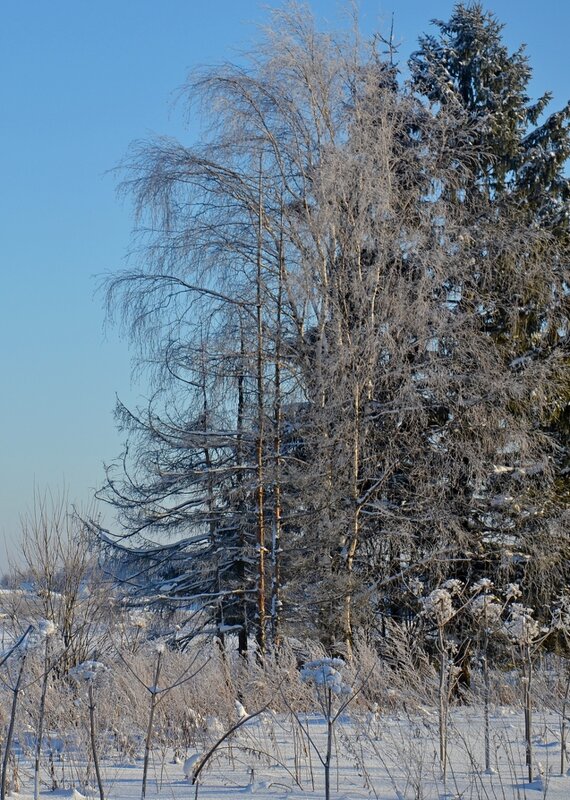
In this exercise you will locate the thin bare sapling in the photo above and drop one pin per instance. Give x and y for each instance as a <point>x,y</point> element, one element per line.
<point>487,610</point>
<point>90,674</point>
<point>527,637</point>
<point>157,693</point>
<point>439,608</point>
<point>20,652</point>
<point>47,630</point>
<point>333,696</point>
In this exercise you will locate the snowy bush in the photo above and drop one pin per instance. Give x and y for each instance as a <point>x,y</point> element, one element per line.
<point>325,673</point>
<point>520,626</point>
<point>439,605</point>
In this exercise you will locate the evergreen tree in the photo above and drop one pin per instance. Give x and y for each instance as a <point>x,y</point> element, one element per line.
<point>469,65</point>
<point>520,168</point>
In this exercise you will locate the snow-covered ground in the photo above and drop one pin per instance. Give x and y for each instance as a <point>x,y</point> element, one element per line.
<point>380,716</point>
<point>385,757</point>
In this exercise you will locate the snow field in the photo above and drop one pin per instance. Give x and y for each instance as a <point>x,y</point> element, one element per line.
<point>278,755</point>
<point>244,728</point>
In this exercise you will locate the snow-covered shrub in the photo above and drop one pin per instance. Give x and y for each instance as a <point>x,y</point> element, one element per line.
<point>89,672</point>
<point>325,673</point>
<point>333,694</point>
<point>487,610</point>
<point>520,625</point>
<point>439,605</point>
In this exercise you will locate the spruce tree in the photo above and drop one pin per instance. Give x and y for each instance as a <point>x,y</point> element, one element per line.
<point>469,65</point>
<point>520,169</point>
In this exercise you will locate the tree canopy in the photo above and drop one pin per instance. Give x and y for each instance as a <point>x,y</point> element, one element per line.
<point>352,297</point>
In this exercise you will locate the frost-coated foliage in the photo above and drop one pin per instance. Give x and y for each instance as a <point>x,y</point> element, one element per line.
<point>89,672</point>
<point>353,306</point>
<point>439,604</point>
<point>521,627</point>
<point>326,673</point>
<point>486,608</point>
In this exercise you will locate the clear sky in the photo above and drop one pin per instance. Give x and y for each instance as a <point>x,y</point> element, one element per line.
<point>78,81</point>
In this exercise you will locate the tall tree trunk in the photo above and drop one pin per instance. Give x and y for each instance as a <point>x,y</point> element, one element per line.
<point>354,537</point>
<point>210,504</point>
<point>261,537</point>
<point>277,510</point>
<point>243,632</point>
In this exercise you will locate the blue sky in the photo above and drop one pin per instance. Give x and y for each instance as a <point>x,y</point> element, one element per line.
<point>79,81</point>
